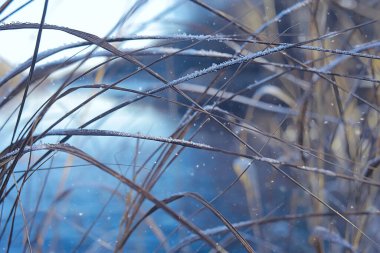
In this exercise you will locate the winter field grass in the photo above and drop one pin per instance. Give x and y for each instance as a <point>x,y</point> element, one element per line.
<point>212,126</point>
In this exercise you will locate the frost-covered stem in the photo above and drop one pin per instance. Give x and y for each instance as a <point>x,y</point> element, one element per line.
<point>217,67</point>
<point>98,132</point>
<point>280,15</point>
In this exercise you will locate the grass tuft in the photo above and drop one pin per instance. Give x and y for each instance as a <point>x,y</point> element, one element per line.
<point>213,126</point>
